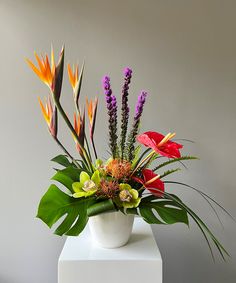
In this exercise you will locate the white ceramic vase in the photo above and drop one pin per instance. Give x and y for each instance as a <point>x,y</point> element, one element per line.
<point>111,230</point>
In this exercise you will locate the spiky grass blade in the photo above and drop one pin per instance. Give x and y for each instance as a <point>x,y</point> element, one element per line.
<point>168,172</point>
<point>173,161</point>
<point>203,194</point>
<point>203,227</point>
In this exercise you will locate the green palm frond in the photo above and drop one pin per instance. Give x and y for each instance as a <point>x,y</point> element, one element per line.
<point>173,161</point>
<point>168,172</point>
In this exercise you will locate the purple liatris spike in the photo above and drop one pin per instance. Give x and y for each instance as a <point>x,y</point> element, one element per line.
<point>140,104</point>
<point>134,131</point>
<point>125,109</point>
<point>112,113</point>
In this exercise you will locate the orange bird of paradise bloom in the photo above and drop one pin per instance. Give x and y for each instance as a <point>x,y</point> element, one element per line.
<point>79,129</point>
<point>92,111</point>
<point>49,115</point>
<point>73,75</point>
<point>45,70</point>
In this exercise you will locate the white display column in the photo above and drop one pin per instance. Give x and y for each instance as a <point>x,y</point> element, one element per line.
<point>82,261</point>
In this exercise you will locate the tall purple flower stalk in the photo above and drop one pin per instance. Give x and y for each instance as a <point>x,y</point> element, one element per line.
<point>125,109</point>
<point>112,113</point>
<point>135,127</point>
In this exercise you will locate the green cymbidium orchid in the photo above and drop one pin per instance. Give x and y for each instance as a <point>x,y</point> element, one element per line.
<point>128,197</point>
<point>86,186</point>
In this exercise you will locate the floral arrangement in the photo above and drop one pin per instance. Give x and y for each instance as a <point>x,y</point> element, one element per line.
<point>131,180</point>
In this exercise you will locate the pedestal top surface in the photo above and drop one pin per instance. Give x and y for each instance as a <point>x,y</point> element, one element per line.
<point>141,246</point>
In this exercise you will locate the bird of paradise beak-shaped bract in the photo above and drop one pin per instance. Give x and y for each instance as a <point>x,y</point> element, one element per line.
<point>75,79</point>
<point>73,75</point>
<point>50,116</point>
<point>79,126</point>
<point>92,112</point>
<point>58,77</point>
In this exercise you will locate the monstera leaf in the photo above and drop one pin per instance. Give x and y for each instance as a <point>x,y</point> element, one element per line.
<point>162,211</point>
<point>67,177</point>
<point>62,160</point>
<point>55,204</point>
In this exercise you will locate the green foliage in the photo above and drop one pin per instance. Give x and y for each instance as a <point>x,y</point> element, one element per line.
<point>152,158</point>
<point>62,160</point>
<point>78,87</point>
<point>169,211</point>
<point>168,172</point>
<point>208,235</point>
<point>73,213</point>
<point>67,177</point>
<point>133,210</point>
<point>205,196</point>
<point>136,155</point>
<point>55,204</point>
<point>135,163</point>
<point>173,161</point>
<point>101,207</point>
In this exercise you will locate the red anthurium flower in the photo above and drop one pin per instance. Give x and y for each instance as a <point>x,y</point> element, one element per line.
<point>151,182</point>
<point>161,144</point>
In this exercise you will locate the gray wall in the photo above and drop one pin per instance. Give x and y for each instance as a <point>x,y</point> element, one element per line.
<point>183,53</point>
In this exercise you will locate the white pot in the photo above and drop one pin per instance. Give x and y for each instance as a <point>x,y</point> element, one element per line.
<point>111,230</point>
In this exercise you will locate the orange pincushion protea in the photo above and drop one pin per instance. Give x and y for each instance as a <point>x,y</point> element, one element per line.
<point>108,189</point>
<point>119,169</point>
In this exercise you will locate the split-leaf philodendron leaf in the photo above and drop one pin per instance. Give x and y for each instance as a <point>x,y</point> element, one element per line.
<point>55,204</point>
<point>161,211</point>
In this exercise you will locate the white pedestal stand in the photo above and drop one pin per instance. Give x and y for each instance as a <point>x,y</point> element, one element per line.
<point>81,261</point>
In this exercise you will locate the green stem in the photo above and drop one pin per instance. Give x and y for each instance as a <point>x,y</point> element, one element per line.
<point>94,149</point>
<point>67,153</point>
<point>148,157</point>
<point>84,156</point>
<point>87,146</point>
<point>85,137</point>
<point>140,189</point>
